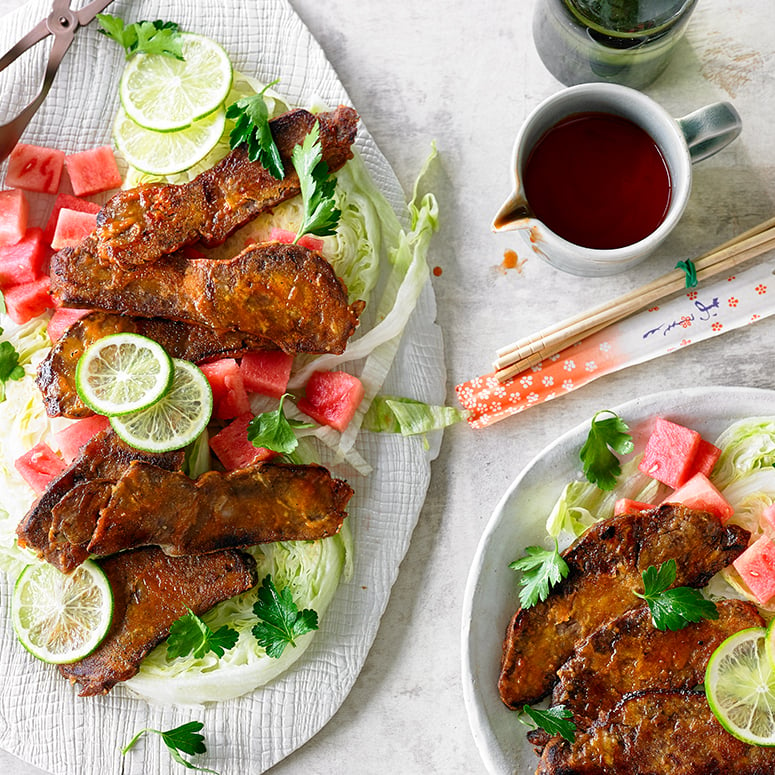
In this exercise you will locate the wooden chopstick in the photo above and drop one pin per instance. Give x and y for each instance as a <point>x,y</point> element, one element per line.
<point>531,350</point>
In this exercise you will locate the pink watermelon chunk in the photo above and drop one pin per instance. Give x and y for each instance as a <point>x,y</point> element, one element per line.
<point>39,466</point>
<point>25,261</point>
<point>68,202</point>
<point>266,372</point>
<point>629,506</point>
<point>14,212</point>
<point>35,168</point>
<point>232,447</point>
<point>756,566</point>
<point>70,439</point>
<point>62,319</point>
<point>706,458</point>
<point>701,494</point>
<point>670,452</point>
<point>93,171</point>
<point>307,240</point>
<point>72,226</point>
<point>768,519</point>
<point>29,300</point>
<point>230,399</point>
<point>332,398</point>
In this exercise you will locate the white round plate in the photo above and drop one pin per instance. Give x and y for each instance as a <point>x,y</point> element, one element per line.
<point>519,520</point>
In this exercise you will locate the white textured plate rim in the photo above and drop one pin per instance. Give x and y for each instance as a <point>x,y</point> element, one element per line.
<point>480,692</point>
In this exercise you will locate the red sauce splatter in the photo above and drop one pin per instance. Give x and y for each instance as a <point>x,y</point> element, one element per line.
<point>511,261</point>
<point>437,270</point>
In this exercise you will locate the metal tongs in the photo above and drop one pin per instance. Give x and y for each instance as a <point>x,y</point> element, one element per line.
<point>62,23</point>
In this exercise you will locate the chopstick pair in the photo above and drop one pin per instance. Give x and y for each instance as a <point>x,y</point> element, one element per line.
<point>525,353</point>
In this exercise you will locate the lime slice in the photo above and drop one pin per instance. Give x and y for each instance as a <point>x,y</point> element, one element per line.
<point>122,373</point>
<point>163,93</point>
<point>740,686</point>
<point>166,153</point>
<point>61,618</point>
<point>176,419</point>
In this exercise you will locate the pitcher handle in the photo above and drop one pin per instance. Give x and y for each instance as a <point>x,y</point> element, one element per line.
<point>710,129</point>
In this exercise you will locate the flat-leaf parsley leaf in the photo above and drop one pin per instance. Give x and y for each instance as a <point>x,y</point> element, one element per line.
<point>157,37</point>
<point>673,609</point>
<point>9,365</point>
<point>273,430</point>
<point>252,128</point>
<point>541,570</point>
<point>186,739</point>
<point>557,720</point>
<point>601,466</point>
<point>190,635</point>
<point>280,621</point>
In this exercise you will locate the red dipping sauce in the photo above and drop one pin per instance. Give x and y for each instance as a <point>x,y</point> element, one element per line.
<point>598,180</point>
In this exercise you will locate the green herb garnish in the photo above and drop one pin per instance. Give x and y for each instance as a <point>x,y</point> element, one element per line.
<point>321,215</point>
<point>252,128</point>
<point>280,621</point>
<point>691,272</point>
<point>157,37</point>
<point>541,570</point>
<point>183,739</point>
<point>273,430</point>
<point>601,466</point>
<point>190,635</point>
<point>673,609</point>
<point>9,365</point>
<point>556,720</point>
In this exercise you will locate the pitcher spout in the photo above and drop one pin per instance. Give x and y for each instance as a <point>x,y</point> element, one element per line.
<point>513,214</point>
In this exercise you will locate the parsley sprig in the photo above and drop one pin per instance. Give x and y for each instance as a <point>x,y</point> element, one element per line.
<point>673,608</point>
<point>273,430</point>
<point>606,436</point>
<point>252,128</point>
<point>280,620</point>
<point>321,215</point>
<point>557,720</point>
<point>541,569</point>
<point>183,739</point>
<point>157,37</point>
<point>10,369</point>
<point>190,635</point>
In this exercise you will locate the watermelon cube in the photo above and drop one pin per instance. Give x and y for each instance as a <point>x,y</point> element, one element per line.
<point>705,459</point>
<point>670,452</point>
<point>230,399</point>
<point>70,439</point>
<point>62,319</point>
<point>756,566</point>
<point>93,171</point>
<point>69,202</point>
<point>332,398</point>
<point>72,227</point>
<point>14,212</point>
<point>266,372</point>
<point>701,494</point>
<point>29,300</point>
<point>232,447</point>
<point>306,241</point>
<point>629,506</point>
<point>25,261</point>
<point>35,168</point>
<point>39,466</point>
<point>767,519</point>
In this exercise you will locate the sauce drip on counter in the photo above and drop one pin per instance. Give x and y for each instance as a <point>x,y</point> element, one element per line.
<point>598,180</point>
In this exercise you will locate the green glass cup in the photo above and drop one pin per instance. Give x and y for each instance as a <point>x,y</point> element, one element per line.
<point>629,42</point>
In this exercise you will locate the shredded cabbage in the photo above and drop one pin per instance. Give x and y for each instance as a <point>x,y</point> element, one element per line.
<point>393,414</point>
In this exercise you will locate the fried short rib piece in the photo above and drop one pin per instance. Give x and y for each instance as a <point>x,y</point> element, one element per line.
<point>137,226</point>
<point>56,372</point>
<point>652,732</point>
<point>605,566</point>
<point>267,502</point>
<point>630,654</point>
<point>103,458</point>
<point>150,592</point>
<point>286,294</point>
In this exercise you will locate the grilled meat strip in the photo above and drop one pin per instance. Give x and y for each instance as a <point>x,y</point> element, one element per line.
<point>630,654</point>
<point>140,225</point>
<point>56,373</point>
<point>151,591</point>
<point>605,566</point>
<point>653,732</point>
<point>149,505</point>
<point>105,457</point>
<point>286,294</point>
